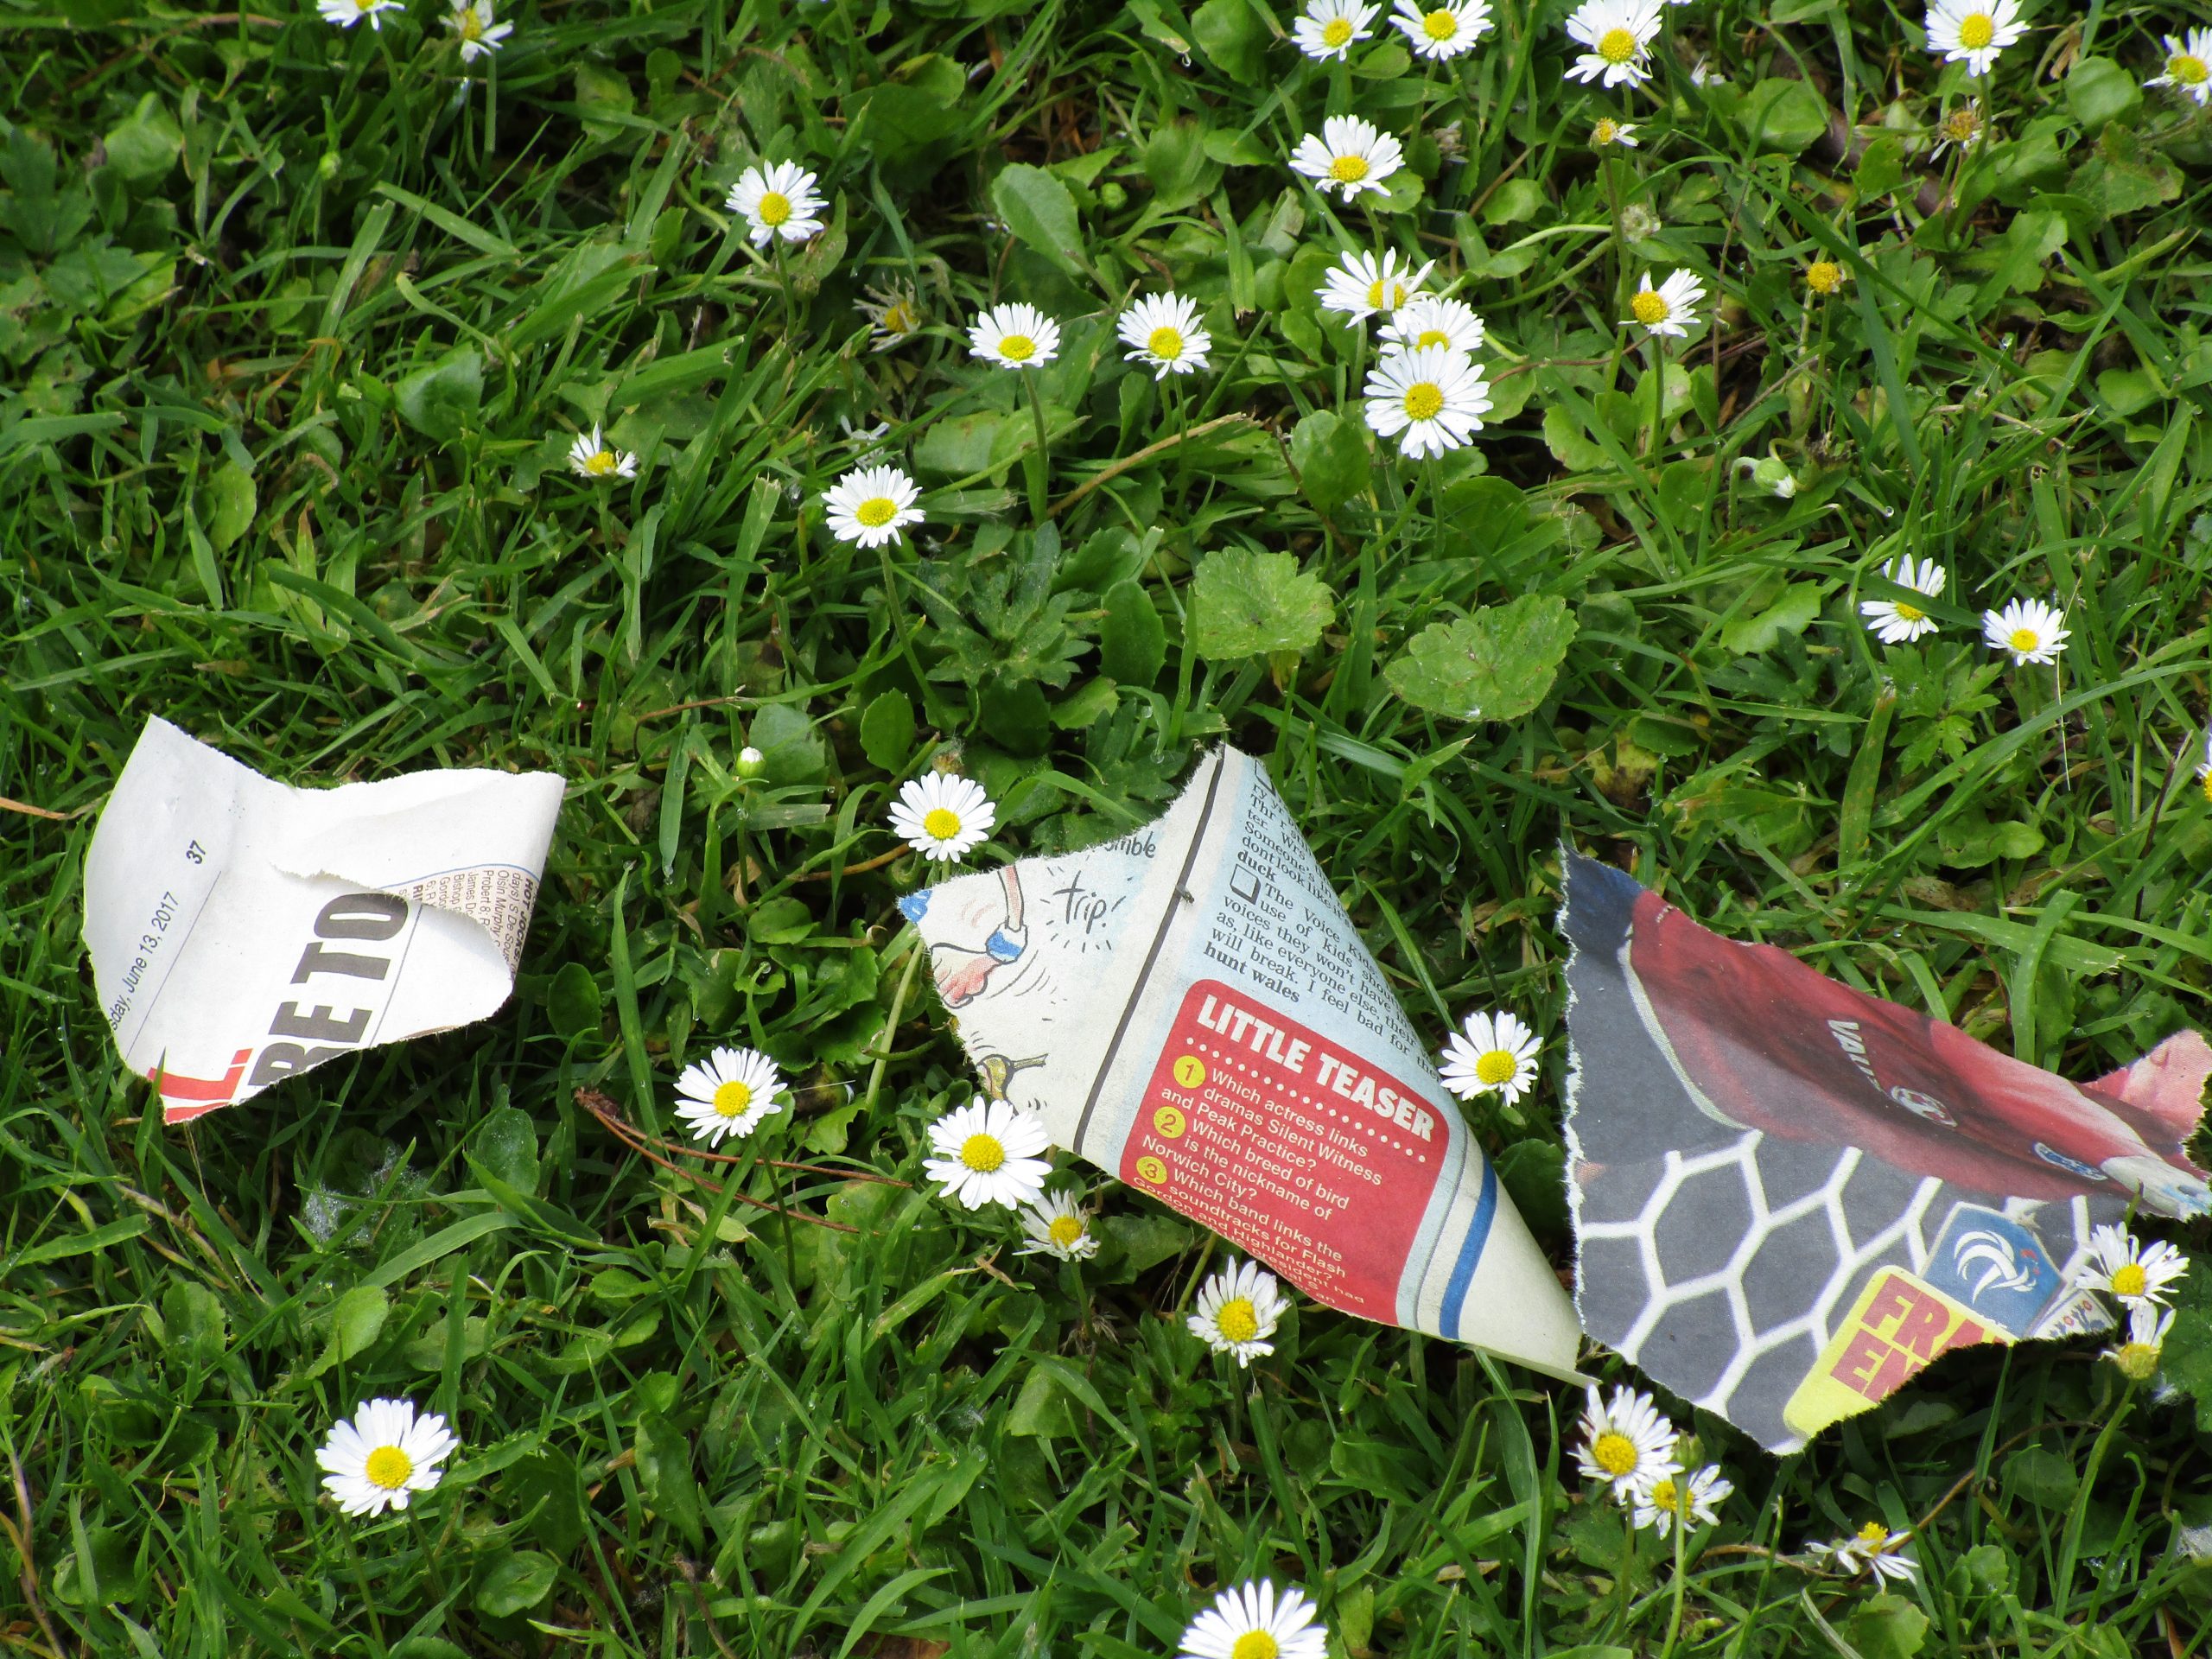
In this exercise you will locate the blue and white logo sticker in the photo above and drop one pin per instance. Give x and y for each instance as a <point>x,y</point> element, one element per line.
<point>1996,1266</point>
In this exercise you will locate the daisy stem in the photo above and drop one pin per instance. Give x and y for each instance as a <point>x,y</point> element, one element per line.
<point>1620,266</point>
<point>1658,377</point>
<point>1675,1618</point>
<point>1036,464</point>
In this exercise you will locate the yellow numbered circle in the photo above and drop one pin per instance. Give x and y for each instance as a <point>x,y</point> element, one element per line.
<point>1152,1170</point>
<point>1170,1122</point>
<point>1190,1070</point>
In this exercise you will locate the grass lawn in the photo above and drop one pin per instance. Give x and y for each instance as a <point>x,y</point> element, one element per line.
<point>297,326</point>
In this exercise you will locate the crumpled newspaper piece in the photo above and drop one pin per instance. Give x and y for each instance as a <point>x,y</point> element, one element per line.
<point>1789,1196</point>
<point>243,931</point>
<point>1190,1008</point>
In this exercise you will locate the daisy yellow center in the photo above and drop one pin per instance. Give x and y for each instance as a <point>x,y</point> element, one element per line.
<point>2024,640</point>
<point>388,1467</point>
<point>1254,1644</point>
<point>1439,25</point>
<point>1961,124</point>
<point>941,823</point>
<point>1431,337</point>
<point>2130,1281</point>
<point>1017,349</point>
<point>1348,169</point>
<point>983,1153</point>
<point>1617,45</point>
<point>876,511</point>
<point>2188,68</point>
<point>1910,612</point>
<point>470,25</point>
<point>1064,1231</point>
<point>2137,1360</point>
<point>1874,1533</point>
<point>775,207</point>
<point>1165,342</point>
<point>1424,400</point>
<point>1649,308</point>
<point>899,319</point>
<point>1336,32</point>
<point>1664,1497</point>
<point>1606,128</point>
<point>732,1098</point>
<point>600,462</point>
<point>1614,1452</point>
<point>2208,785</point>
<point>1977,30</point>
<point>1375,294</point>
<point>1496,1067</point>
<point>1238,1321</point>
<point>1823,276</point>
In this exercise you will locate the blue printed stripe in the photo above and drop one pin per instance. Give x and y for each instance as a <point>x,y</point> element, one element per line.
<point>1463,1270</point>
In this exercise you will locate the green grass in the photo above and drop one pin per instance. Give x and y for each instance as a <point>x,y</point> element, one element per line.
<point>293,342</point>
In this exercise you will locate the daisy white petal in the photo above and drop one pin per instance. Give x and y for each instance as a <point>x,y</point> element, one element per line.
<point>1349,156</point>
<point>1973,31</point>
<point>777,201</point>
<point>1238,1310</point>
<point>347,13</point>
<point>1015,337</point>
<point>591,456</point>
<point>479,35</point>
<point>2030,631</point>
<point>1360,284</point>
<point>1961,128</point>
<point>2188,66</point>
<point>893,314</point>
<point>1252,1621</point>
<point>1491,1052</point>
<point>1895,622</point>
<point>729,1094</point>
<point>871,505</point>
<point>1330,29</point>
<point>2204,771</point>
<point>2138,1274</point>
<point>383,1456</point>
<point>943,816</point>
<point>1669,308</point>
<point>1606,131</point>
<point>1619,36</point>
<point>1673,1498</point>
<point>1163,331</point>
<point>2138,1357</point>
<point>1627,1442</point>
<point>1057,1227</point>
<point>989,1152</point>
<point>1431,399</point>
<point>1441,28</point>
<point>1428,320</point>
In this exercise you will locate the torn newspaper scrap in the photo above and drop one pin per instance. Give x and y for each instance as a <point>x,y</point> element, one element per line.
<point>1190,1008</point>
<point>1790,1195</point>
<point>242,932</point>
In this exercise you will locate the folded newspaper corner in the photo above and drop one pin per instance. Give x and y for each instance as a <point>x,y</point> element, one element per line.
<point>1190,1008</point>
<point>243,931</point>
<point>1790,1195</point>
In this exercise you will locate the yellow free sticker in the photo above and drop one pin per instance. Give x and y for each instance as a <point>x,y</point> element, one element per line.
<point>1190,1072</point>
<point>1170,1122</point>
<point>1152,1170</point>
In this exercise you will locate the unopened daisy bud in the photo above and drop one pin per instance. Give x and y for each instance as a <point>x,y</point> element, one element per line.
<point>751,763</point>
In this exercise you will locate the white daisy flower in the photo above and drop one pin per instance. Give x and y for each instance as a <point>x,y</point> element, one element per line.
<point>2188,65</point>
<point>1491,1050</point>
<point>2204,771</point>
<point>1348,155</point>
<point>1330,29</point>
<point>589,457</point>
<point>895,313</point>
<point>1444,29</point>
<point>872,505</point>
<point>1238,1310</point>
<point>1670,1499</point>
<point>1164,330</point>
<point>1250,1621</point>
<point>1973,31</point>
<point>479,35</point>
<point>778,199</point>
<point>385,1455</point>
<point>1606,131</point>
<point>1618,33</point>
<point>1703,75</point>
<point>347,13</point>
<point>2140,1275</point>
<point>1628,1443</point>
<point>944,816</point>
<point>2030,630</point>
<point>1669,308</point>
<point>1015,337</point>
<point>1960,129</point>
<point>1895,622</point>
<point>989,1152</point>
<point>1431,399</point>
<point>728,1093</point>
<point>1428,320</point>
<point>1359,284</point>
<point>1873,1549</point>
<point>2138,1357</point>
<point>1057,1227</point>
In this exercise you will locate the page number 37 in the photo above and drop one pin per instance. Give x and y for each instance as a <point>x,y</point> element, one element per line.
<point>195,852</point>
